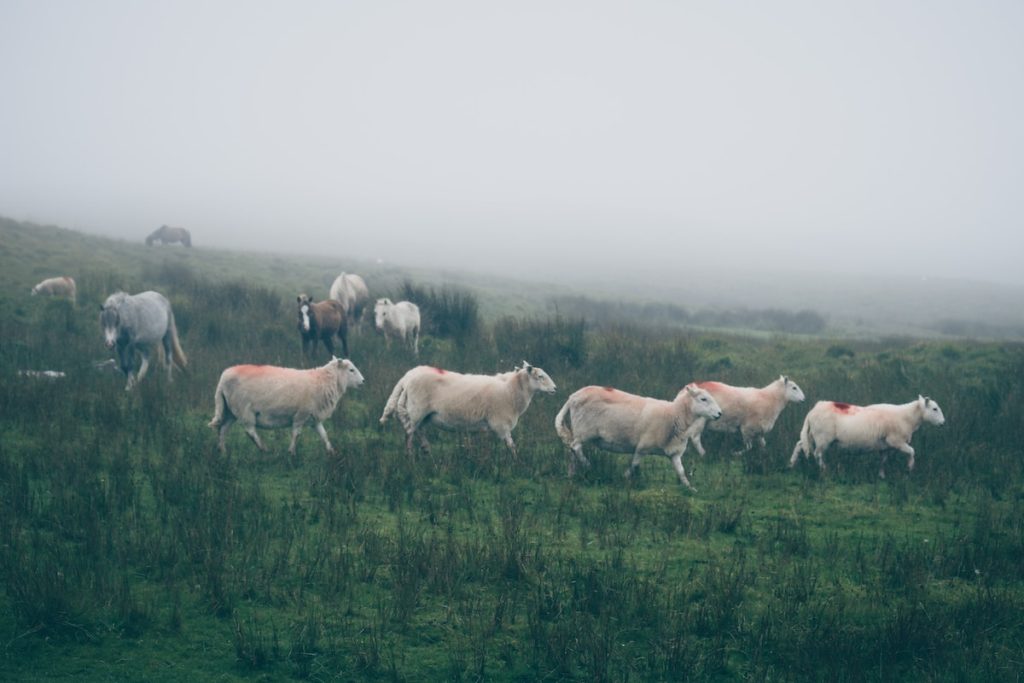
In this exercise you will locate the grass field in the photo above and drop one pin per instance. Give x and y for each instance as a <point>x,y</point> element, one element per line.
<point>131,549</point>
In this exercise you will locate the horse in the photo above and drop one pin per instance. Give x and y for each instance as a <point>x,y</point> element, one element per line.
<point>399,320</point>
<point>139,322</point>
<point>321,321</point>
<point>349,290</point>
<point>168,235</point>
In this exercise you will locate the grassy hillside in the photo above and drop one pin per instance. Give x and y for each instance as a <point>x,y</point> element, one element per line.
<point>131,549</point>
<point>101,265</point>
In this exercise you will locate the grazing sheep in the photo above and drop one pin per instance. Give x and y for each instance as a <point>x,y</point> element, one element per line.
<point>58,286</point>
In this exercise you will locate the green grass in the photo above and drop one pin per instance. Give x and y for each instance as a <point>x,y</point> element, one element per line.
<point>130,549</point>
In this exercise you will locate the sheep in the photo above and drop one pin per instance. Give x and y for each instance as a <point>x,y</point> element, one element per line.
<point>875,427</point>
<point>454,401</point>
<point>626,423</point>
<point>271,397</point>
<point>58,286</point>
<point>750,410</point>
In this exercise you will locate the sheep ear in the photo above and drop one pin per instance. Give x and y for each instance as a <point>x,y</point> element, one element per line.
<point>692,390</point>
<point>526,366</point>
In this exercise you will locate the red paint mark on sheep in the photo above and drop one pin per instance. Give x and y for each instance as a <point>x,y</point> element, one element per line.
<point>843,407</point>
<point>709,385</point>
<point>249,370</point>
<point>438,371</point>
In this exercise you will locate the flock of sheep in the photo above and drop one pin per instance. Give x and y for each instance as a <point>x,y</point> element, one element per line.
<point>270,397</point>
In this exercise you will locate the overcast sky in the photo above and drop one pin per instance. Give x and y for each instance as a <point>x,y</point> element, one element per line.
<point>557,136</point>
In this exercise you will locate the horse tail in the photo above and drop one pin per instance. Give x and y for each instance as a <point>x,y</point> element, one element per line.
<point>392,403</point>
<point>176,353</point>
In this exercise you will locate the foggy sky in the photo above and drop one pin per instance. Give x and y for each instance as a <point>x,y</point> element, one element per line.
<point>530,137</point>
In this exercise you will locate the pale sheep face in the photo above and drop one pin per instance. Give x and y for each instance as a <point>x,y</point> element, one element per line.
<point>539,381</point>
<point>704,404</point>
<point>932,412</point>
<point>349,373</point>
<point>793,392</point>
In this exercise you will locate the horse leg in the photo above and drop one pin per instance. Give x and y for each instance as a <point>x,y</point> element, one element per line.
<point>343,336</point>
<point>126,358</point>
<point>168,358</point>
<point>145,365</point>
<point>329,344</point>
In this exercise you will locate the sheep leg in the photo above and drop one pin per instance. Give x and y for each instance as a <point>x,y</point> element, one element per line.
<point>634,465</point>
<point>748,441</point>
<point>796,453</point>
<point>695,440</point>
<point>296,428</point>
<point>881,467</point>
<point>903,447</point>
<point>250,429</point>
<point>323,435</point>
<point>222,434</point>
<point>507,438</point>
<point>677,462</point>
<point>819,450</point>
<point>576,454</point>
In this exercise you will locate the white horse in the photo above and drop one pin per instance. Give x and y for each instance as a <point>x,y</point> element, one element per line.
<point>399,320</point>
<point>349,290</point>
<point>139,322</point>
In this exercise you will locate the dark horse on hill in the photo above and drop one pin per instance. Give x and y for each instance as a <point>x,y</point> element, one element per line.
<point>168,235</point>
<point>322,321</point>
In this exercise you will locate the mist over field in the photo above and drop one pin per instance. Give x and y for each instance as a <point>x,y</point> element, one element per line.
<point>585,142</point>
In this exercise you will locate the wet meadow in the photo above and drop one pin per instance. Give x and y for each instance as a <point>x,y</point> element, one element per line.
<point>132,549</point>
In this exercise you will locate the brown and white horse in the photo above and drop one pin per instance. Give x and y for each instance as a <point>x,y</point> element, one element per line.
<point>168,235</point>
<point>322,321</point>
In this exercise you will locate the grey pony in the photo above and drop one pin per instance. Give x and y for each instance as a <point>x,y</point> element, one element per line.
<point>137,323</point>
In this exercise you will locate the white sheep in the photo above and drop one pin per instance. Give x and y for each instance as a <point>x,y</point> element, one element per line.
<point>270,397</point>
<point>621,422</point>
<point>454,401</point>
<point>875,427</point>
<point>750,410</point>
